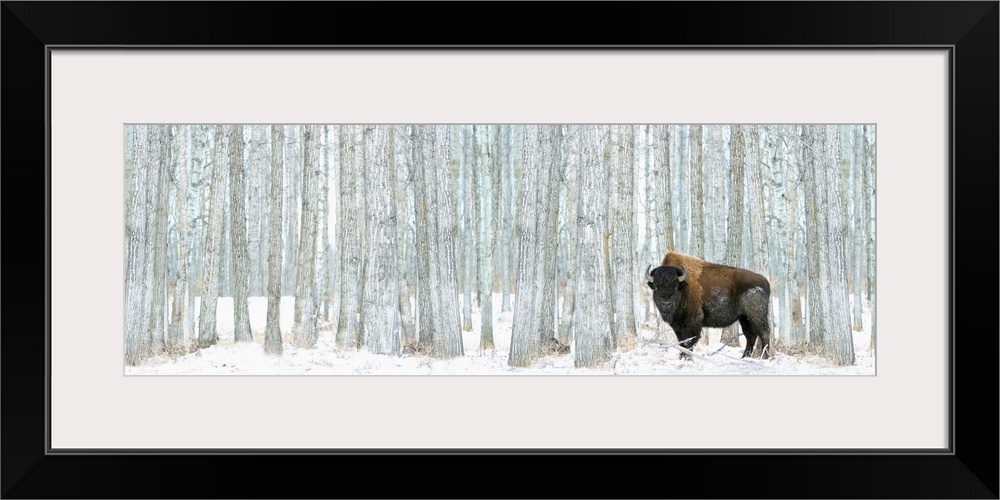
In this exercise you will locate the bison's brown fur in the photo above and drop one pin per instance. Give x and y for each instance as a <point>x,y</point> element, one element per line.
<point>711,295</point>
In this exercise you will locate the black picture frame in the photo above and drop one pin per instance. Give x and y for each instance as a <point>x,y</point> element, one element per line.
<point>968,470</point>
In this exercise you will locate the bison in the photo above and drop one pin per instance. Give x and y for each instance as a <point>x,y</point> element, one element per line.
<point>691,294</point>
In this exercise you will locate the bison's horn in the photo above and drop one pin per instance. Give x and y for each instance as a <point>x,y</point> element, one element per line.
<point>649,277</point>
<point>684,273</point>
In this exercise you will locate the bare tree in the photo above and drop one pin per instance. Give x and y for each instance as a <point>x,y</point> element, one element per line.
<point>425,199</point>
<point>591,318</point>
<point>405,229</point>
<point>623,270</point>
<point>380,325</point>
<point>305,331</point>
<point>838,342</point>
<point>179,309</point>
<point>697,194</point>
<point>483,181</point>
<point>857,195</point>
<point>506,220</point>
<point>448,335</point>
<point>567,232</point>
<point>257,245</point>
<point>550,151</point>
<point>682,215</point>
<point>663,188</point>
<point>526,346</point>
<point>440,328</point>
<point>272,330</point>
<point>238,228</point>
<point>734,245</point>
<point>160,207</point>
<point>795,252</point>
<point>352,216</point>
<point>293,187</point>
<point>814,197</point>
<point>137,338</point>
<point>828,315</point>
<point>323,249</point>
<point>207,334</point>
<point>196,213</point>
<point>466,165</point>
<point>868,183</point>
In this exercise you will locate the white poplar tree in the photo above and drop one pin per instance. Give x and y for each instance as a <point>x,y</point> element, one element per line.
<point>380,323</point>
<point>591,318</point>
<point>272,329</point>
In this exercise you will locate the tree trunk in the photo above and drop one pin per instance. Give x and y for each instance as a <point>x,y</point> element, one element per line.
<point>506,218</point>
<point>400,161</point>
<point>238,229</point>
<point>352,216</point>
<point>526,346</point>
<point>868,183</point>
<point>256,217</point>
<point>483,181</point>
<point>495,223</point>
<point>550,150</point>
<point>624,274</point>
<point>592,318</point>
<point>198,143</point>
<point>333,270</point>
<point>794,250</point>
<point>137,338</point>
<point>814,231</point>
<point>838,341</point>
<point>859,241</point>
<point>734,244</point>
<point>272,331</point>
<point>160,207</point>
<point>516,174</point>
<point>179,310</point>
<point>306,329</point>
<point>697,194</point>
<point>570,155</point>
<point>681,184</point>
<point>425,201</point>
<point>380,325</point>
<point>439,317</point>
<point>226,243</point>
<point>468,142</point>
<point>323,226</point>
<point>293,182</point>
<point>664,188</point>
<point>447,342</point>
<point>207,334</point>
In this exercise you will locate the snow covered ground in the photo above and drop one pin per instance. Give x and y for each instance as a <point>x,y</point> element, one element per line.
<point>649,358</point>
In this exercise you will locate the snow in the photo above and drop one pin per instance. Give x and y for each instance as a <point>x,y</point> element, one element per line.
<point>650,357</point>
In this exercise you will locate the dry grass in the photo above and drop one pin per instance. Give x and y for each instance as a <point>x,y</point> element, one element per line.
<point>797,348</point>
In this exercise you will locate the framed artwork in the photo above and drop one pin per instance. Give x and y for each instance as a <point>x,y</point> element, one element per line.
<point>819,163</point>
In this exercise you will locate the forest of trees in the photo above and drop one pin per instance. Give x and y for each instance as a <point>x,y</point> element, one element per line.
<point>392,235</point>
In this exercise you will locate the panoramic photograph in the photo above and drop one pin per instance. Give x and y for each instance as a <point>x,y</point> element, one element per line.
<point>499,249</point>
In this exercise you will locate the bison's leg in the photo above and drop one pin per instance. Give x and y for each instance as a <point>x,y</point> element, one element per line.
<point>758,337</point>
<point>764,333</point>
<point>749,333</point>
<point>688,338</point>
<point>755,323</point>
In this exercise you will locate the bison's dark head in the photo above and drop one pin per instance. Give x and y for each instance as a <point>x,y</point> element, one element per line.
<point>668,284</point>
